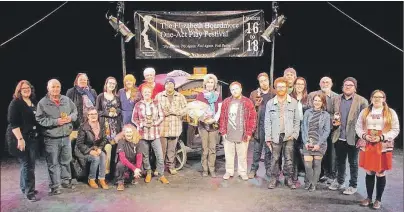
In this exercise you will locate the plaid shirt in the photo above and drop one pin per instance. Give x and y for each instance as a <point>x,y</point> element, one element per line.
<point>250,116</point>
<point>173,111</point>
<point>139,119</point>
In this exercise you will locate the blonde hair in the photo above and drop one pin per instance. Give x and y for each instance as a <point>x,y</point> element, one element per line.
<point>133,90</point>
<point>387,116</point>
<point>207,77</point>
<point>135,135</point>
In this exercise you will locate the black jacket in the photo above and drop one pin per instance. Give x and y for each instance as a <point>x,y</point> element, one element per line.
<point>76,97</point>
<point>86,140</point>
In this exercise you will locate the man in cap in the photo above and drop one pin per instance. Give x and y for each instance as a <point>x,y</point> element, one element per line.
<point>347,106</point>
<point>174,107</point>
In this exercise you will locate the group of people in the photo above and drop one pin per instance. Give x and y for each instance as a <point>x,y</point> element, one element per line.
<point>115,131</point>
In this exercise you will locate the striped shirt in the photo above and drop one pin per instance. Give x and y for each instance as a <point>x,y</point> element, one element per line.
<point>313,126</point>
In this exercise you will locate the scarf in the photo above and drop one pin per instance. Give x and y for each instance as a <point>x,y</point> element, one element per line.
<point>86,91</point>
<point>211,97</point>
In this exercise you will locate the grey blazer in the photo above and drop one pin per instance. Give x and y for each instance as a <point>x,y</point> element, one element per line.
<point>358,104</point>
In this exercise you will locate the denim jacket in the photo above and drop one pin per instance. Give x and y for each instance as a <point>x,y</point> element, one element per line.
<point>272,119</point>
<point>323,129</point>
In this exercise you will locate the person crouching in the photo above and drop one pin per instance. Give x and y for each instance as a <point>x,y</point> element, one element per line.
<point>130,153</point>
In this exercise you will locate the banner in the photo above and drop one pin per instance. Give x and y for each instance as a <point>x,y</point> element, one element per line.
<point>198,34</point>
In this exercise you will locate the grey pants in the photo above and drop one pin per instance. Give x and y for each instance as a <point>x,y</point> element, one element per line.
<point>168,145</point>
<point>156,145</point>
<point>209,141</point>
<point>286,148</point>
<point>58,156</point>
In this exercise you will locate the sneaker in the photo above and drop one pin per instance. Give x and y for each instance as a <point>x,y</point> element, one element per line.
<point>252,174</point>
<point>289,182</point>
<point>307,185</point>
<point>312,188</point>
<point>35,192</point>
<point>244,177</point>
<point>350,190</point>
<point>213,174</point>
<point>336,186</point>
<point>366,202</point>
<point>227,176</point>
<point>205,174</point>
<point>173,171</point>
<point>54,191</point>
<point>120,187</point>
<point>272,183</point>
<point>377,204</point>
<point>329,181</point>
<point>32,198</point>
<point>68,185</point>
<point>156,173</point>
<point>323,179</point>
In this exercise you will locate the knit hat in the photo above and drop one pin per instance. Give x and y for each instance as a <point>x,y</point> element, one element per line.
<point>352,80</point>
<point>169,79</point>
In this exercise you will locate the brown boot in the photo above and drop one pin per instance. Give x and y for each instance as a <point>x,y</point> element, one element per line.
<point>120,187</point>
<point>92,184</point>
<point>103,184</point>
<point>148,177</point>
<point>164,180</point>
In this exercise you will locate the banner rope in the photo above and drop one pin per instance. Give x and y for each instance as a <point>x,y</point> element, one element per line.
<point>365,27</point>
<point>33,24</point>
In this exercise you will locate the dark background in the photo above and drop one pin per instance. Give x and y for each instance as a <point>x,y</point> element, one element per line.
<point>316,40</point>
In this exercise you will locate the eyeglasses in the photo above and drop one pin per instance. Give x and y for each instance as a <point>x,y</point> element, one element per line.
<point>281,87</point>
<point>26,88</point>
<point>378,97</point>
<point>351,85</point>
<point>93,114</point>
<point>300,84</point>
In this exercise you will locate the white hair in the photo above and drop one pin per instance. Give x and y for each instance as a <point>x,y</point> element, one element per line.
<point>51,81</point>
<point>149,71</point>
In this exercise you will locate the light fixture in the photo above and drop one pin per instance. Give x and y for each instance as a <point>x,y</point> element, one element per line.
<point>124,30</point>
<point>273,28</point>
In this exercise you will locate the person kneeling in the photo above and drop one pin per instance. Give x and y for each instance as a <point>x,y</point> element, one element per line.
<point>130,153</point>
<point>91,140</point>
<point>315,131</point>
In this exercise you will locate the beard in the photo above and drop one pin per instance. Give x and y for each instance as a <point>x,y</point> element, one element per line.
<point>326,90</point>
<point>281,93</point>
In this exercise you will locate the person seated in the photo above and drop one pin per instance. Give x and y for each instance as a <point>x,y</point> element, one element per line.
<point>90,144</point>
<point>130,154</point>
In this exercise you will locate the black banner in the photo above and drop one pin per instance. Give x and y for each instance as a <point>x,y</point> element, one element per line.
<point>199,34</point>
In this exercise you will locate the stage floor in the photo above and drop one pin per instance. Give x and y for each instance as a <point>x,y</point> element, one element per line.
<point>188,191</point>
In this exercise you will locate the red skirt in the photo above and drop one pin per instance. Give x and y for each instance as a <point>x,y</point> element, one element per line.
<point>373,159</point>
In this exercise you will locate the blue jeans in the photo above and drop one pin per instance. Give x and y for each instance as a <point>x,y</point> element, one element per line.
<point>95,163</point>
<point>27,161</point>
<point>58,156</point>
<point>158,151</point>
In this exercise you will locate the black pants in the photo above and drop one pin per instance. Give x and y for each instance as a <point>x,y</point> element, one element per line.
<point>27,161</point>
<point>120,172</point>
<point>329,164</point>
<point>342,150</point>
<point>259,145</point>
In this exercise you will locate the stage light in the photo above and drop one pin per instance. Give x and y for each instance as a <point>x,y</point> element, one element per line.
<point>273,28</point>
<point>124,30</point>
